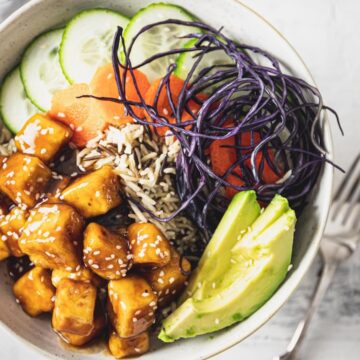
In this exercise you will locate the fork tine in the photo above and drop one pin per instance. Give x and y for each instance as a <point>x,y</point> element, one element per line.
<point>339,194</point>
<point>353,190</point>
<point>353,210</point>
<point>347,191</point>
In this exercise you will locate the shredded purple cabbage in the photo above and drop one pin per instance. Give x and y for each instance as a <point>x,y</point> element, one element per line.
<point>285,110</point>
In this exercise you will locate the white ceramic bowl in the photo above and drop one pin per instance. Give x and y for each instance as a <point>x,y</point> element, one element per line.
<point>242,23</point>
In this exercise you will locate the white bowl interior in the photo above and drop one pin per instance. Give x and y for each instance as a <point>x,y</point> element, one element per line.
<point>241,23</point>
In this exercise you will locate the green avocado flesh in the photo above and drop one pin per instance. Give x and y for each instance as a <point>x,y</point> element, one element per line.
<point>241,213</point>
<point>253,264</point>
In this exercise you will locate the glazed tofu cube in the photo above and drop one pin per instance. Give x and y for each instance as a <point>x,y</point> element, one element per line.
<point>74,307</point>
<point>11,228</point>
<point>35,292</point>
<point>42,137</point>
<point>4,250</point>
<point>131,306</point>
<point>105,252</point>
<point>84,275</point>
<point>80,340</point>
<point>3,160</point>
<point>95,193</point>
<point>52,237</point>
<point>169,281</point>
<point>148,245</point>
<point>23,179</point>
<point>134,346</point>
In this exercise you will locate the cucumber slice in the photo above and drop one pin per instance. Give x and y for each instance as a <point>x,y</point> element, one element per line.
<point>158,39</point>
<point>87,43</point>
<point>15,107</point>
<point>186,60</point>
<point>41,71</point>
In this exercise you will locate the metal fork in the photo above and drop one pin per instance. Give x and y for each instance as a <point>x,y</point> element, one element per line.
<point>339,243</point>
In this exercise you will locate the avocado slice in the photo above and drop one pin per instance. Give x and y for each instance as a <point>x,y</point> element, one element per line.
<point>256,270</point>
<point>278,206</point>
<point>241,213</point>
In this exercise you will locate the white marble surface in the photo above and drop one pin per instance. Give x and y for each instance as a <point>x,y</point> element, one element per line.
<point>325,32</point>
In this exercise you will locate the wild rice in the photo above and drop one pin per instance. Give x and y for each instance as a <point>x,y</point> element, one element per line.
<point>7,144</point>
<point>146,167</point>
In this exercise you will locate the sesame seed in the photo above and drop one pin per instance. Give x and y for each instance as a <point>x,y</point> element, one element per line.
<point>123,305</point>
<point>217,321</point>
